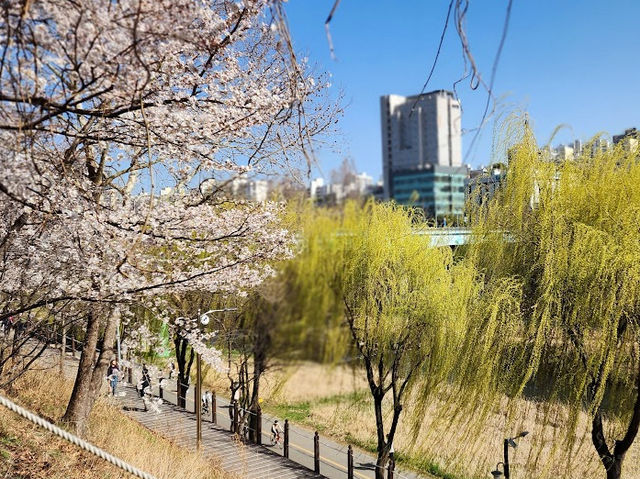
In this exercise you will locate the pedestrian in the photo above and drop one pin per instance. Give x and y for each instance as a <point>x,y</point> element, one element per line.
<point>172,369</point>
<point>113,375</point>
<point>205,402</point>
<point>145,381</point>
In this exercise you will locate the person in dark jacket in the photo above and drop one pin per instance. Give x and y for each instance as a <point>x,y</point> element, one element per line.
<point>145,382</point>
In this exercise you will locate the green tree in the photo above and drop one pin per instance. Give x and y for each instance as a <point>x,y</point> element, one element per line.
<point>565,236</point>
<point>380,289</point>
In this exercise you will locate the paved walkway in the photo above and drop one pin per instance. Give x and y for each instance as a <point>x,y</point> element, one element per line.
<point>333,455</point>
<point>242,460</point>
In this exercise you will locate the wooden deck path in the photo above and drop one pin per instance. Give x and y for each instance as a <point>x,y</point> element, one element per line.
<point>246,461</point>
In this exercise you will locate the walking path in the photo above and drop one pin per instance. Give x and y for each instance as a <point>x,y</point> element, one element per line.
<point>333,455</point>
<point>242,460</point>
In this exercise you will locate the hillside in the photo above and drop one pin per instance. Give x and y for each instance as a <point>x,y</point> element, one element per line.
<point>28,451</point>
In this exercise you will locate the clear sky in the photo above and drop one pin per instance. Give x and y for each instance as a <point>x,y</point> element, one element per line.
<point>564,62</point>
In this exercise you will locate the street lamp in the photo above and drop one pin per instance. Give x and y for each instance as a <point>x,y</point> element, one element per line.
<point>509,442</point>
<point>204,320</point>
<point>497,472</point>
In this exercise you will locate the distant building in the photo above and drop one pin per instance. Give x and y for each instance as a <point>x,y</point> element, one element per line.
<point>419,131</point>
<point>360,185</point>
<point>317,188</point>
<point>439,190</point>
<point>240,188</point>
<point>629,139</point>
<point>376,190</point>
<point>356,185</point>
<point>599,145</point>
<point>482,184</point>
<point>564,152</point>
<point>422,152</point>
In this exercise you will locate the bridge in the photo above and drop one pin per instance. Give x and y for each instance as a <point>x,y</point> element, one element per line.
<point>446,236</point>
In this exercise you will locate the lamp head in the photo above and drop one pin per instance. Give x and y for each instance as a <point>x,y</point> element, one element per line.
<point>523,433</point>
<point>497,472</point>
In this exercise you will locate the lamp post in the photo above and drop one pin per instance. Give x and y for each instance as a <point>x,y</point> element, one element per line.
<point>204,320</point>
<point>509,442</point>
<point>497,472</point>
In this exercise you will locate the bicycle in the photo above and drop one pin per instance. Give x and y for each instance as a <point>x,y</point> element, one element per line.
<point>275,434</point>
<point>275,439</point>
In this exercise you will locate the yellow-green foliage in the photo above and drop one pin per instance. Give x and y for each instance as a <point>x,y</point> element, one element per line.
<point>564,236</point>
<point>409,303</point>
<point>396,286</point>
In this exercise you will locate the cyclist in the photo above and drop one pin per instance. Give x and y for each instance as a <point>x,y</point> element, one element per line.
<point>275,433</point>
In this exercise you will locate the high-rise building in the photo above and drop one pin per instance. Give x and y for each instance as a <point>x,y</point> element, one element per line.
<point>419,132</point>
<point>629,139</point>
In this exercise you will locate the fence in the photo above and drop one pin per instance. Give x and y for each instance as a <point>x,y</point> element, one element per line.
<point>305,450</point>
<point>297,444</point>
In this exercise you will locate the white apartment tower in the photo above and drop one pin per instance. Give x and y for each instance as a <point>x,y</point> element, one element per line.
<point>427,136</point>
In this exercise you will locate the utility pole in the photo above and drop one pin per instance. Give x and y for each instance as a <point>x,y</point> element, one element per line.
<point>198,401</point>
<point>118,341</point>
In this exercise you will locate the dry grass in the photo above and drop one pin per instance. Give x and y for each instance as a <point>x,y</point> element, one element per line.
<point>296,383</point>
<point>444,442</point>
<point>27,451</point>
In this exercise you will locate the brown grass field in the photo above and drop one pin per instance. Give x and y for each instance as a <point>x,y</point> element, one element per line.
<point>335,400</point>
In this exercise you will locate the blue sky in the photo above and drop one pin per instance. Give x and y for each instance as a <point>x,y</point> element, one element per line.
<point>572,63</point>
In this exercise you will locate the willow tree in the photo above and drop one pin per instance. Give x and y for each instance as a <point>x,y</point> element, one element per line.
<point>567,233</point>
<point>399,303</point>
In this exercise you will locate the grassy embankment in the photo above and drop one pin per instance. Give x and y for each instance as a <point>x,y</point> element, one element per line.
<point>28,451</point>
<point>336,402</point>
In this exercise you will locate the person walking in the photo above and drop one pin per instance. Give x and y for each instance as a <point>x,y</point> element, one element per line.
<point>145,381</point>
<point>113,375</point>
<point>144,386</point>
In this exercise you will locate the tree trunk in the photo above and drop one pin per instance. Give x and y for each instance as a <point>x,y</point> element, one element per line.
<point>104,357</point>
<point>184,368</point>
<point>612,461</point>
<point>91,371</point>
<point>258,369</point>
<point>261,346</point>
<point>79,404</point>
<point>383,447</point>
<point>615,468</point>
<point>182,388</point>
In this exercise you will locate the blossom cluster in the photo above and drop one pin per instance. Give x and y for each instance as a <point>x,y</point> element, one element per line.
<point>104,103</point>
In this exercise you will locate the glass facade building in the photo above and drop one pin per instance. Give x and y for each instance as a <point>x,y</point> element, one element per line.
<point>439,190</point>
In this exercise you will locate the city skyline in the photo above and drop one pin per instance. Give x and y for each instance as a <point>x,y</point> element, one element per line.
<point>386,50</point>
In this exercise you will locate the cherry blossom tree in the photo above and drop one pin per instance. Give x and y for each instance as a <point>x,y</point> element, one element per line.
<point>104,104</point>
